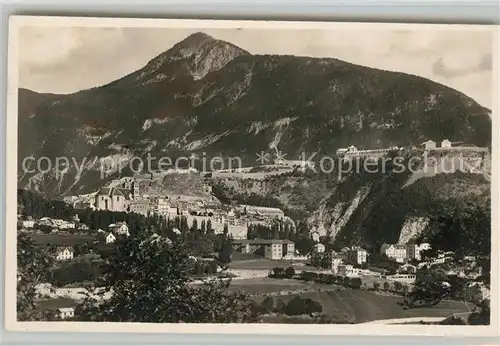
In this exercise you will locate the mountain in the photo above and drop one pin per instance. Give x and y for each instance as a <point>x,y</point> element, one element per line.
<point>209,96</point>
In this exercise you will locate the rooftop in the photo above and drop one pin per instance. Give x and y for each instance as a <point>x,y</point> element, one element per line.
<point>262,241</point>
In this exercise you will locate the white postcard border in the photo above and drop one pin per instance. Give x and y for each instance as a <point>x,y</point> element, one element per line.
<point>267,329</point>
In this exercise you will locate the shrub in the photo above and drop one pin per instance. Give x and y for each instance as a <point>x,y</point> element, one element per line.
<point>280,306</point>
<point>376,285</point>
<point>299,306</point>
<point>386,286</point>
<point>267,304</point>
<point>308,276</point>
<point>289,273</point>
<point>356,283</point>
<point>346,281</point>
<point>398,286</point>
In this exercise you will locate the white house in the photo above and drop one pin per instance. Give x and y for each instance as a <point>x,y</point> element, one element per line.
<point>429,145</point>
<point>119,228</point>
<point>28,223</point>
<point>350,149</point>
<point>64,313</point>
<point>319,248</point>
<point>336,262</point>
<point>64,253</point>
<point>83,227</point>
<point>315,236</point>
<point>112,198</point>
<point>110,238</point>
<point>172,211</point>
<point>394,251</point>
<point>445,144</point>
<point>425,246</point>
<point>68,225</point>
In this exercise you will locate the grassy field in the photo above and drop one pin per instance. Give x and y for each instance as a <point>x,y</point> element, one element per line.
<point>264,263</point>
<point>266,286</point>
<point>359,306</point>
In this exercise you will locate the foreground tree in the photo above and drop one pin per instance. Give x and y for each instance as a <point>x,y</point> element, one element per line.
<point>33,264</point>
<point>147,280</point>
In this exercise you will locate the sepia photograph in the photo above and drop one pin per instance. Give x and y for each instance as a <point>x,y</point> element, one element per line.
<point>251,176</point>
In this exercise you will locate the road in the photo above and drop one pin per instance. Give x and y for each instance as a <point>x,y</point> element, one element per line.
<point>407,320</point>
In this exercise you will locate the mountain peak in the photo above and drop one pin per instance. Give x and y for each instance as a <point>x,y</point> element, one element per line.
<point>197,37</point>
<point>200,53</point>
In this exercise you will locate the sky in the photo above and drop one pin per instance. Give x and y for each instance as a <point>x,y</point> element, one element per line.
<point>68,59</point>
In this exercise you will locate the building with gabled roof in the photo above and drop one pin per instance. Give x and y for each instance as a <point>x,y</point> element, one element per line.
<point>110,238</point>
<point>429,145</point>
<point>113,199</point>
<point>64,313</point>
<point>119,228</point>
<point>64,253</point>
<point>356,255</point>
<point>269,248</point>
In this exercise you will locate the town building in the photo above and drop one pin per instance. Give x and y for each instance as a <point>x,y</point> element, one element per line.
<point>356,255</point>
<point>85,202</point>
<point>70,199</point>
<point>412,252</point>
<point>319,248</point>
<point>260,211</point>
<point>404,278</point>
<point>141,206</point>
<point>172,211</point>
<point>403,253</point>
<point>65,313</point>
<point>395,252</point>
<point>302,164</point>
<point>347,270</point>
<point>28,224</point>
<point>336,262</point>
<point>350,149</point>
<point>110,238</point>
<point>64,253</point>
<point>161,206</point>
<point>83,227</point>
<point>269,248</point>
<point>119,228</point>
<point>424,246</point>
<point>67,225</point>
<point>113,199</point>
<point>445,144</point>
<point>429,145</point>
